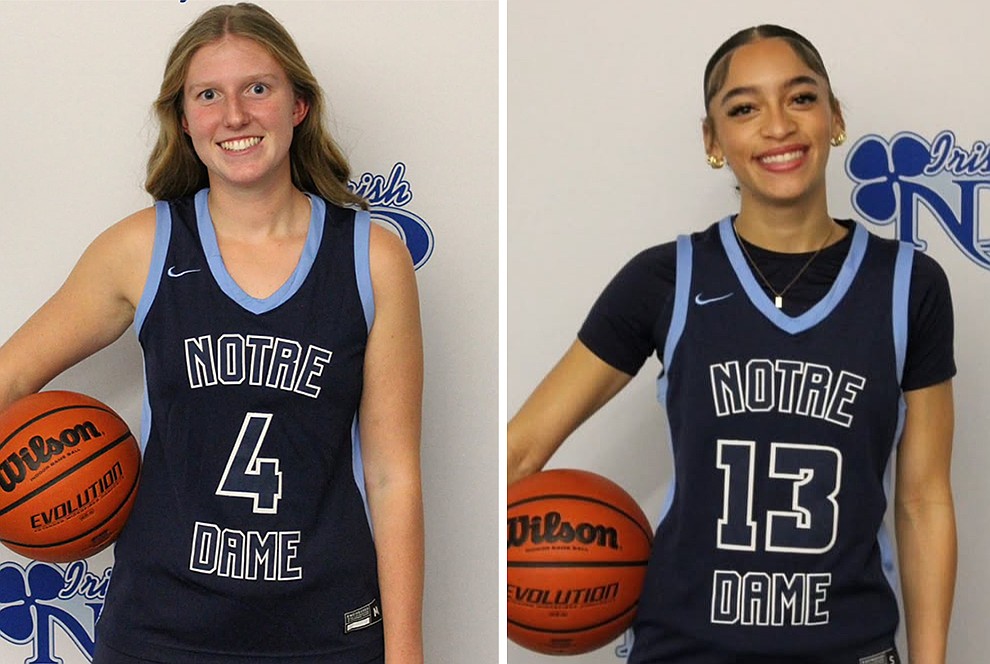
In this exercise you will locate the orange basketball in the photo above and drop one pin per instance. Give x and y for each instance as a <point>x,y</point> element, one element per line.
<point>578,546</point>
<point>68,475</point>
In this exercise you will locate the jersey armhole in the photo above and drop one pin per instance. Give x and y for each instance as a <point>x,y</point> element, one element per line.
<point>678,317</point>
<point>902,287</point>
<point>362,264</point>
<point>163,233</point>
<point>362,273</point>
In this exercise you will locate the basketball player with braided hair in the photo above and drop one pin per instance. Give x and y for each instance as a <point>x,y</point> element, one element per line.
<point>279,512</point>
<point>798,353</point>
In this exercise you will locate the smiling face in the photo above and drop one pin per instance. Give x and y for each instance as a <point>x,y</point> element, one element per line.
<point>772,121</point>
<point>240,110</point>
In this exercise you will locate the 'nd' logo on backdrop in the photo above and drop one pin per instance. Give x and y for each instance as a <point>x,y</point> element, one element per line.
<point>387,197</point>
<point>41,601</point>
<point>897,177</point>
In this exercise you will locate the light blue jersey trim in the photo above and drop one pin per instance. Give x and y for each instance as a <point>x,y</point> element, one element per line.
<point>357,467</point>
<point>362,273</point>
<point>902,288</point>
<point>682,290</point>
<point>145,417</point>
<point>159,252</point>
<point>208,237</point>
<point>362,264</point>
<point>888,556</point>
<point>760,299</point>
<point>678,318</point>
<point>668,499</point>
<point>899,308</point>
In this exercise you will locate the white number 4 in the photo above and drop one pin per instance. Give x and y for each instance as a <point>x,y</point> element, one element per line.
<point>246,475</point>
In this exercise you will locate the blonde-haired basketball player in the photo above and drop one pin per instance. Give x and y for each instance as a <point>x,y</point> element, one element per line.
<point>279,514</point>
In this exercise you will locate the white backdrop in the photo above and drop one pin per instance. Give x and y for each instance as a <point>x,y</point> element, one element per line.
<point>605,158</point>
<point>409,82</point>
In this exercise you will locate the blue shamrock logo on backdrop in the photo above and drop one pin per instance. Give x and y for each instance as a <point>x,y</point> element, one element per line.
<point>36,600</point>
<point>896,177</point>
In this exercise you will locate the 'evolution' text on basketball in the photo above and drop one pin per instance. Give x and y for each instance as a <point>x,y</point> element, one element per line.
<point>563,597</point>
<point>40,450</point>
<point>93,492</point>
<point>551,529</point>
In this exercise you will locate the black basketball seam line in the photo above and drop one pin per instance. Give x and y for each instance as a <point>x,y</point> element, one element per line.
<point>81,535</point>
<point>58,410</point>
<point>572,631</point>
<point>65,472</point>
<point>647,532</point>
<point>590,563</point>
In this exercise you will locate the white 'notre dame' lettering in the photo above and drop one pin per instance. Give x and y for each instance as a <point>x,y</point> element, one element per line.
<point>248,555</point>
<point>769,599</point>
<point>235,359</point>
<point>784,386</point>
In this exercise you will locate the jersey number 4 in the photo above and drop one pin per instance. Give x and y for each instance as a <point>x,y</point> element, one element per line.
<point>249,476</point>
<point>815,476</point>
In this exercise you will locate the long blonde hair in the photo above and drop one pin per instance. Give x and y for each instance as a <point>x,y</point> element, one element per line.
<point>318,164</point>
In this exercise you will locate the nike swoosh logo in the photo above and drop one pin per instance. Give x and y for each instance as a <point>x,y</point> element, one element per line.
<point>172,273</point>
<point>703,301</point>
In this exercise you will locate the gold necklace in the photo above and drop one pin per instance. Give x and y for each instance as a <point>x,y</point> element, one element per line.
<point>778,297</point>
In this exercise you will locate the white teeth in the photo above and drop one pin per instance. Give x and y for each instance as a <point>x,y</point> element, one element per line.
<point>782,158</point>
<point>240,144</point>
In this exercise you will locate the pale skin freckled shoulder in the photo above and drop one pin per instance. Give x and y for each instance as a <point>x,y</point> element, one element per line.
<point>125,248</point>
<point>388,254</point>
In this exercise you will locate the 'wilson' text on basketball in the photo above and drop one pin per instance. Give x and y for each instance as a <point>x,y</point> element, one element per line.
<point>551,529</point>
<point>40,450</point>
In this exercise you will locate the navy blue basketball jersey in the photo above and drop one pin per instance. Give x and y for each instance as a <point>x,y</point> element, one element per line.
<point>782,428</point>
<point>250,539</point>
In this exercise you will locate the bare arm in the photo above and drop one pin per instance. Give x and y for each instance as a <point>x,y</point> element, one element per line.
<point>925,521</point>
<point>390,441</point>
<point>91,309</point>
<point>575,388</point>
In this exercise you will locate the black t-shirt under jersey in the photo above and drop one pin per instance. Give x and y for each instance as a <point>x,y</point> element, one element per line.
<point>629,321</point>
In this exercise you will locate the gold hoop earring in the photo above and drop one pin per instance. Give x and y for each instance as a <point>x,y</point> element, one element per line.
<point>838,139</point>
<point>715,162</point>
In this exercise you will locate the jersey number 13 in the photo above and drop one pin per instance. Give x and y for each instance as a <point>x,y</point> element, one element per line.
<point>814,473</point>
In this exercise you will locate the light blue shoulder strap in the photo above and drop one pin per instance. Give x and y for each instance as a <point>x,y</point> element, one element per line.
<point>682,294</point>
<point>362,264</point>
<point>902,291</point>
<point>163,234</point>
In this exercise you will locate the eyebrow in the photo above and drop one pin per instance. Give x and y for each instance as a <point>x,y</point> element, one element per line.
<point>745,90</point>
<point>206,84</point>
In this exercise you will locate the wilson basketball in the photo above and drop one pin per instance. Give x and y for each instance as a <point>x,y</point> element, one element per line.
<point>578,546</point>
<point>69,470</point>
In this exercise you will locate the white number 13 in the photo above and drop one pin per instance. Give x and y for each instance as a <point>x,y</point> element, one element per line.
<point>809,526</point>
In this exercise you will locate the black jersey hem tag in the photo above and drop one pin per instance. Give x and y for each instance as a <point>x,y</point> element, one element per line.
<point>362,618</point>
<point>888,656</point>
